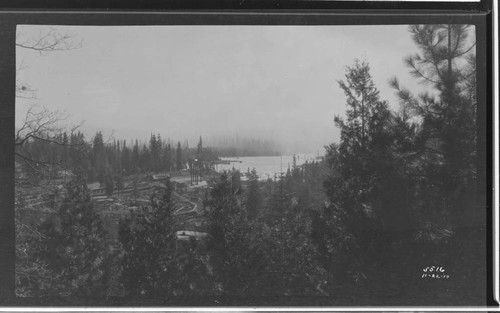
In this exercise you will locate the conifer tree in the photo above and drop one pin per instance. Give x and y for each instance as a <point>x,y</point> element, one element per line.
<point>199,151</point>
<point>149,243</point>
<point>360,164</point>
<point>100,162</point>
<point>238,263</point>
<point>135,160</point>
<point>178,157</point>
<point>73,245</point>
<point>254,199</point>
<point>447,132</point>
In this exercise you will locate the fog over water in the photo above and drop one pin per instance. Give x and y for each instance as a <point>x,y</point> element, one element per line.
<point>267,82</point>
<point>267,167</point>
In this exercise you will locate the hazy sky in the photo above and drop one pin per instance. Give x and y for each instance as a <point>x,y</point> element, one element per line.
<point>274,82</point>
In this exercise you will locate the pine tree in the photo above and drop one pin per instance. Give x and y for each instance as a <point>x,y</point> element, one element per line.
<point>292,265</point>
<point>254,199</point>
<point>125,158</point>
<point>199,151</point>
<point>79,151</point>
<point>100,162</point>
<point>135,161</point>
<point>447,132</point>
<point>149,243</point>
<point>168,157</point>
<point>360,165</point>
<point>155,148</point>
<point>238,264</point>
<point>73,245</point>
<point>178,157</point>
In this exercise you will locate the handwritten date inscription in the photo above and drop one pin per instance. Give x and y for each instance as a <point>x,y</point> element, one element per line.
<point>435,272</point>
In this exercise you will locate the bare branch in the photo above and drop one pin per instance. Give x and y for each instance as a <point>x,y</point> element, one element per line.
<point>51,40</point>
<point>33,161</point>
<point>110,137</point>
<point>41,123</point>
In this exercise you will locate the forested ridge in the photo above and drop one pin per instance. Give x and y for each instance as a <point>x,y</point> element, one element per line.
<point>390,216</point>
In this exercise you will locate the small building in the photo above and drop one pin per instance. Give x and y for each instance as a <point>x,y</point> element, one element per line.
<point>96,189</point>
<point>160,177</point>
<point>188,234</point>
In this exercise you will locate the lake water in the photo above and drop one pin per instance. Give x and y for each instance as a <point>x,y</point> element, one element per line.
<point>266,166</point>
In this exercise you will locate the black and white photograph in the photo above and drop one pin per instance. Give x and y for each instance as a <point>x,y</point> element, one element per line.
<point>249,165</point>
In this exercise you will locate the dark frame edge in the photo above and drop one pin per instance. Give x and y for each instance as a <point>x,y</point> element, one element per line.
<point>162,5</point>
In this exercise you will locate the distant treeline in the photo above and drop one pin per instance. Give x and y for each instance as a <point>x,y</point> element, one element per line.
<point>244,147</point>
<point>99,160</point>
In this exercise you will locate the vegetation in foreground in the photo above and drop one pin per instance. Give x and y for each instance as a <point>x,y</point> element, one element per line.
<point>394,197</point>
